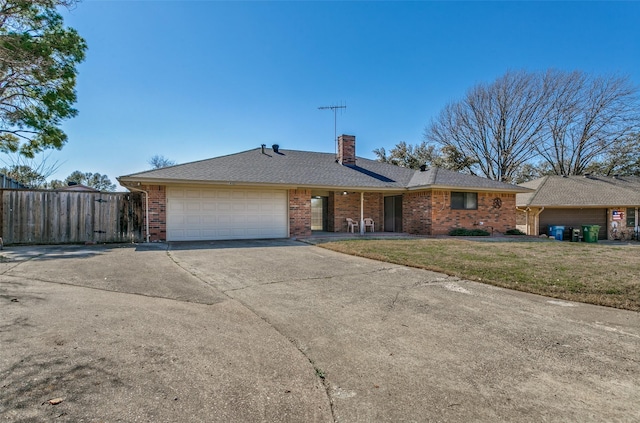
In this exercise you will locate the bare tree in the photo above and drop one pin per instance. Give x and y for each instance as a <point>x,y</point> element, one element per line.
<point>589,118</point>
<point>495,125</point>
<point>567,120</point>
<point>30,172</point>
<point>159,161</point>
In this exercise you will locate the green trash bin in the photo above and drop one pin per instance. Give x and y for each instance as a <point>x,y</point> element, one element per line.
<point>590,232</point>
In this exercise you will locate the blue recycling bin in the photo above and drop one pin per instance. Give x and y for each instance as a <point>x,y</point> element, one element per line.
<point>556,232</point>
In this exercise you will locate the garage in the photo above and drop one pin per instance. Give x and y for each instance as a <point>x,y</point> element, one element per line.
<point>200,214</point>
<point>574,218</point>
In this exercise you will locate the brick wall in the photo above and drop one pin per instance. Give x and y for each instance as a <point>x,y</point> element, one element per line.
<point>374,208</point>
<point>343,206</point>
<point>416,213</point>
<point>424,212</point>
<point>492,217</point>
<point>157,212</point>
<point>299,212</point>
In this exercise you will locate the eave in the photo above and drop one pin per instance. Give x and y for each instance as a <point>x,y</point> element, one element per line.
<point>457,188</point>
<point>138,182</point>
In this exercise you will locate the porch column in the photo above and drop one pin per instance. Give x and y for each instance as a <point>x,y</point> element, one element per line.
<point>362,213</point>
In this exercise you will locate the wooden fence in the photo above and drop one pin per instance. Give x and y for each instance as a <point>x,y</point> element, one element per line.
<point>59,217</point>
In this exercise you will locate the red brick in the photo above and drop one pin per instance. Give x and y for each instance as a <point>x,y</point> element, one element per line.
<point>157,212</point>
<point>299,213</point>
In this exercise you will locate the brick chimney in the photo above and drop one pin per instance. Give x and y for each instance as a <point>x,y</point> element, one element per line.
<point>347,149</point>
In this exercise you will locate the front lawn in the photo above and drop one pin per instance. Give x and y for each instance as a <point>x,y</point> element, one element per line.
<point>591,273</point>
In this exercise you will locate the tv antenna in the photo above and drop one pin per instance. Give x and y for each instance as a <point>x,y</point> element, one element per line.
<point>335,120</point>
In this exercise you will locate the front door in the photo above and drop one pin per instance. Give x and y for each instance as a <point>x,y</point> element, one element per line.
<point>393,213</point>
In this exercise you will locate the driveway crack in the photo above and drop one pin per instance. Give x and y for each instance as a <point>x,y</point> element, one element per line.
<point>304,279</point>
<point>95,288</point>
<point>319,373</point>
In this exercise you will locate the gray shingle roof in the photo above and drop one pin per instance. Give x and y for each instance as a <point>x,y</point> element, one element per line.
<point>449,178</point>
<point>310,169</point>
<point>580,191</point>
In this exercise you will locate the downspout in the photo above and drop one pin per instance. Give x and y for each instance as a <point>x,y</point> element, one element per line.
<point>362,213</point>
<point>146,209</point>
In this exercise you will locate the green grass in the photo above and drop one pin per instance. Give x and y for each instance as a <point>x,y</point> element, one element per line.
<point>591,273</point>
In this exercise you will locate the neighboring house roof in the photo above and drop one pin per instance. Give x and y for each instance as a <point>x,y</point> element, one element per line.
<point>313,170</point>
<point>77,187</point>
<point>7,182</point>
<point>581,191</point>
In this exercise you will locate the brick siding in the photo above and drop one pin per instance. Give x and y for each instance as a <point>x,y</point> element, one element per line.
<point>374,208</point>
<point>299,213</point>
<point>343,206</point>
<point>340,207</point>
<point>430,213</point>
<point>424,212</point>
<point>488,216</point>
<point>157,212</point>
<point>416,212</point>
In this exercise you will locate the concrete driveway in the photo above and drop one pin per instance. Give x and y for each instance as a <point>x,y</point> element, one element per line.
<point>284,331</point>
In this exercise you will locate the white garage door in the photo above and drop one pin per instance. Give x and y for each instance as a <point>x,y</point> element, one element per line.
<point>198,214</point>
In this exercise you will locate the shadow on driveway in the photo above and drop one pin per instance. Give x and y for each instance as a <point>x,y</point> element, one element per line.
<point>232,244</point>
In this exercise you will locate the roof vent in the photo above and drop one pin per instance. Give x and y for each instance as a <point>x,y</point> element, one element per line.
<point>423,168</point>
<point>71,183</point>
<point>616,176</point>
<point>275,147</point>
<point>263,146</point>
<point>587,175</point>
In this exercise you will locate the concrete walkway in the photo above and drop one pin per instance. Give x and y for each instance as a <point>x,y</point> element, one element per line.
<point>288,332</point>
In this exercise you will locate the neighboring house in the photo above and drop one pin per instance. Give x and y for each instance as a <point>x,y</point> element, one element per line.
<point>7,182</point>
<point>73,186</point>
<point>573,201</point>
<point>274,193</point>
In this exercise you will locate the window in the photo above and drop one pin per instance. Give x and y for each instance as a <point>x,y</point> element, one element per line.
<point>631,218</point>
<point>464,200</point>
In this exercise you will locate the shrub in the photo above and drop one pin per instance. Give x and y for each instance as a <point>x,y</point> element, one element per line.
<point>468,232</point>
<point>514,232</point>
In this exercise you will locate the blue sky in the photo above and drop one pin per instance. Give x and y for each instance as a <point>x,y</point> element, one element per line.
<point>197,79</point>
